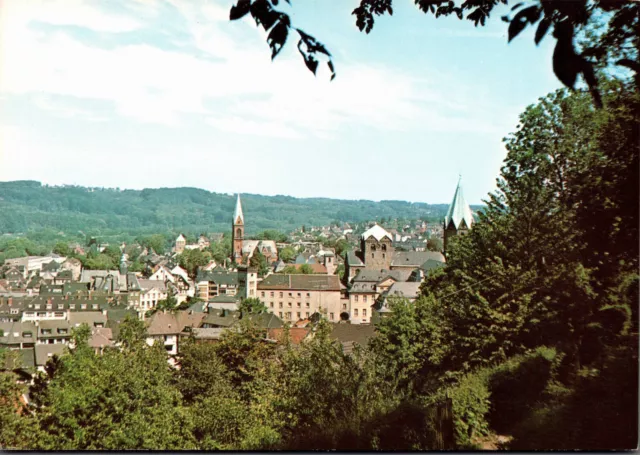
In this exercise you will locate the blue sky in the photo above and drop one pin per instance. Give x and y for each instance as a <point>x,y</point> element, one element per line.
<point>169,93</point>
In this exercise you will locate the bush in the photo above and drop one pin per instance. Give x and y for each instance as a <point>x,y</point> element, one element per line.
<point>493,398</point>
<point>517,385</point>
<point>599,413</point>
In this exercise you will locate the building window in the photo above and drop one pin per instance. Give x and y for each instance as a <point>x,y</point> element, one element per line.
<point>83,306</point>
<point>355,298</point>
<point>308,304</point>
<point>280,313</point>
<point>364,320</point>
<point>271,304</point>
<point>384,248</point>
<point>330,316</point>
<point>308,294</point>
<point>72,306</point>
<point>384,255</point>
<point>372,256</point>
<point>299,294</point>
<point>288,315</point>
<point>289,304</point>
<point>364,298</point>
<point>262,294</point>
<point>298,315</point>
<point>344,306</point>
<point>355,312</point>
<point>273,293</point>
<point>307,314</point>
<point>299,304</point>
<point>364,313</point>
<point>291,294</point>
<point>282,294</point>
<point>280,305</point>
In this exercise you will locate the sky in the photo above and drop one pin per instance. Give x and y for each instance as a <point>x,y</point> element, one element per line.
<point>170,93</point>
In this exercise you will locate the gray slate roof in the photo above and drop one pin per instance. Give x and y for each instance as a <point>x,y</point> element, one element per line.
<point>415,258</point>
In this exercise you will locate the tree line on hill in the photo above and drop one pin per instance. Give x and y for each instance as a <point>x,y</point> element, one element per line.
<point>30,206</point>
<point>531,330</point>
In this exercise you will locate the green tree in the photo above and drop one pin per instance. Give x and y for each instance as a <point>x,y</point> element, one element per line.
<point>157,242</point>
<point>252,305</point>
<point>290,270</point>
<point>117,401</point>
<point>169,304</point>
<point>287,254</point>
<point>16,426</point>
<point>434,244</point>
<point>62,248</point>
<point>260,262</point>
<point>190,260</point>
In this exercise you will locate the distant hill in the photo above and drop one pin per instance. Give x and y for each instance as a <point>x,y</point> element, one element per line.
<point>29,205</point>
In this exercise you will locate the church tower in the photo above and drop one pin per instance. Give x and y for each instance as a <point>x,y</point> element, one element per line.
<point>459,217</point>
<point>237,232</point>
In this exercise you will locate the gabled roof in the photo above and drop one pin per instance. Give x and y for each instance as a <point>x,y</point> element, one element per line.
<point>459,211</point>
<point>238,212</point>
<point>222,277</point>
<point>353,259</point>
<point>377,275</point>
<point>173,323</point>
<point>352,333</point>
<point>301,282</point>
<point>377,232</point>
<point>415,258</point>
<point>44,352</point>
<point>410,290</point>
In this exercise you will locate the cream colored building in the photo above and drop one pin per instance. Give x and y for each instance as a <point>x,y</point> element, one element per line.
<point>295,297</point>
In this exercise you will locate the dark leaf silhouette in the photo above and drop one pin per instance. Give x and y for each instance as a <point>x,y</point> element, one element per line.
<point>566,64</point>
<point>278,36</point>
<point>632,65</point>
<point>278,24</point>
<point>592,82</point>
<point>240,9</point>
<point>519,22</point>
<point>542,29</point>
<point>264,14</point>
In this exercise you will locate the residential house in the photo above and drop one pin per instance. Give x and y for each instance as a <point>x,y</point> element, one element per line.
<point>166,328</point>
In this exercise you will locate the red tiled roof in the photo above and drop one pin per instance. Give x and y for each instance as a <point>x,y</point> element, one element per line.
<point>297,334</point>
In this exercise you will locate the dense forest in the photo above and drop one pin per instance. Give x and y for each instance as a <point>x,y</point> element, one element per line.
<point>28,205</point>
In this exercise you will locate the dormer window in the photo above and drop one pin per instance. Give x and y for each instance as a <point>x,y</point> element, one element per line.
<point>61,306</point>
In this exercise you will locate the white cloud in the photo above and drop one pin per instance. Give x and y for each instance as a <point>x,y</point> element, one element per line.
<point>153,85</point>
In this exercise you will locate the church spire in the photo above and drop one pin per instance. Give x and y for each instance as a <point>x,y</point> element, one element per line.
<point>459,210</point>
<point>238,212</point>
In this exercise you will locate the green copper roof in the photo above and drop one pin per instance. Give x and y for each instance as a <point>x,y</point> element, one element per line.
<point>459,210</point>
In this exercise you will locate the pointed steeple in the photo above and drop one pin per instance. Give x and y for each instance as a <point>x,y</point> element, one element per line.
<point>459,210</point>
<point>123,264</point>
<point>238,212</point>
